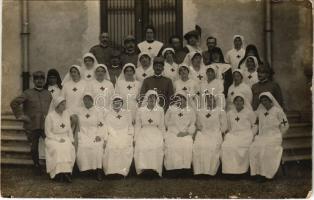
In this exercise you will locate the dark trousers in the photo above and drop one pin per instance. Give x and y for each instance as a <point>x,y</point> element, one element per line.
<point>33,137</point>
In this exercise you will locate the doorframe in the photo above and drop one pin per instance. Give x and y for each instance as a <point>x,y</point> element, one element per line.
<point>179,19</point>
<point>103,15</point>
<point>141,18</point>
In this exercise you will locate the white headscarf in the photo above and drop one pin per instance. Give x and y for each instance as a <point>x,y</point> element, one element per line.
<point>90,55</point>
<point>104,67</point>
<point>58,100</point>
<point>88,72</point>
<point>213,68</point>
<point>114,96</point>
<point>238,36</point>
<point>167,49</point>
<point>240,71</point>
<point>271,98</point>
<point>139,57</point>
<point>192,54</point>
<point>185,66</point>
<point>246,102</point>
<point>67,77</point>
<point>122,75</point>
<point>88,94</point>
<point>243,65</point>
<point>55,102</point>
<point>183,93</point>
<point>145,100</point>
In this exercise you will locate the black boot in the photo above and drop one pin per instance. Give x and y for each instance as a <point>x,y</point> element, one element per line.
<point>38,170</point>
<point>261,179</point>
<point>67,178</point>
<point>58,178</point>
<point>99,176</point>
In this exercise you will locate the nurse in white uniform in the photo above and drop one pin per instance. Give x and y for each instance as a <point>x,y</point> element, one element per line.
<point>211,124</point>
<point>266,150</point>
<point>59,142</point>
<point>149,135</point>
<point>118,154</point>
<point>92,136</point>
<point>241,130</point>
<point>180,123</point>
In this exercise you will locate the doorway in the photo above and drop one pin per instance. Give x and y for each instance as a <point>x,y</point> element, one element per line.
<point>130,17</point>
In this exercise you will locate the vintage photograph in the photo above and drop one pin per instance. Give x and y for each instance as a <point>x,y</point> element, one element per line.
<point>156,99</point>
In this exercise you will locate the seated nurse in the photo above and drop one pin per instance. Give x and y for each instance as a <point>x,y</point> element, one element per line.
<point>149,135</point>
<point>59,142</point>
<point>266,150</point>
<point>180,122</point>
<point>241,130</point>
<point>91,138</point>
<point>118,154</point>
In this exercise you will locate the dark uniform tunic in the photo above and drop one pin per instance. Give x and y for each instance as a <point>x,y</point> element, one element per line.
<point>163,87</point>
<point>266,86</point>
<point>102,53</point>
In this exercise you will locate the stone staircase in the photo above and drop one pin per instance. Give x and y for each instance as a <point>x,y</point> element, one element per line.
<point>15,149</point>
<point>297,142</point>
<point>14,146</point>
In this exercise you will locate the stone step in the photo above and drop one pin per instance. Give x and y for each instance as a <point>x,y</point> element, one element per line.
<point>10,120</point>
<point>301,124</point>
<point>8,133</point>
<point>298,132</point>
<point>16,155</point>
<point>15,148</point>
<point>16,161</point>
<point>296,158</point>
<point>14,136</point>
<point>293,116</point>
<point>295,152</point>
<point>15,143</point>
<point>291,135</point>
<point>12,128</point>
<point>297,143</point>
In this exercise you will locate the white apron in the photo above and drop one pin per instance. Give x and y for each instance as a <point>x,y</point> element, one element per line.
<point>266,150</point>
<point>235,148</point>
<point>149,145</point>
<point>178,150</point>
<point>60,157</point>
<point>118,154</point>
<point>207,144</point>
<point>90,151</point>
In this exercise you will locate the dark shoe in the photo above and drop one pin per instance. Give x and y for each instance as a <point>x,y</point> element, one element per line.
<point>261,179</point>
<point>38,170</point>
<point>99,176</point>
<point>149,174</point>
<point>232,177</point>
<point>115,177</point>
<point>67,178</point>
<point>58,178</point>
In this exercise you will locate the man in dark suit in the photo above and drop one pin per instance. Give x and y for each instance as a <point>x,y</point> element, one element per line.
<point>158,82</point>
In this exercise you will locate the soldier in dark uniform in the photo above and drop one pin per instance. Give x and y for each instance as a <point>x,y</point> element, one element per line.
<point>32,107</point>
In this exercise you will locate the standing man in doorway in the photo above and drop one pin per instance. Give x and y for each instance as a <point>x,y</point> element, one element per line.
<point>103,50</point>
<point>150,45</point>
<point>211,44</point>
<point>175,43</point>
<point>130,51</point>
